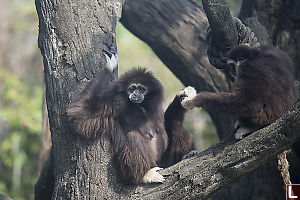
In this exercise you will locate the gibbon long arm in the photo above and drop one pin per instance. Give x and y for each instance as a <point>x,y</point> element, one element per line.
<point>227,102</point>
<point>91,112</point>
<point>180,140</point>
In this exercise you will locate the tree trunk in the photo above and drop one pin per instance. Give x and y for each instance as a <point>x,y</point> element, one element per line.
<point>72,37</point>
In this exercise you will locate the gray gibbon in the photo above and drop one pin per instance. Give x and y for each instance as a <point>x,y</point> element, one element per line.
<point>129,110</point>
<point>264,89</point>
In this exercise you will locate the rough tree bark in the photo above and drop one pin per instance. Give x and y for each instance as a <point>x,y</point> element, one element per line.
<point>221,23</point>
<point>72,37</point>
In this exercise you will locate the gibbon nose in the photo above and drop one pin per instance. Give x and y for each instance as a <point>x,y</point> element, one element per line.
<point>135,95</point>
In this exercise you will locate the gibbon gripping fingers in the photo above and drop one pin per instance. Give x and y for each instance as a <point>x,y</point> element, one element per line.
<point>187,95</point>
<point>153,176</point>
<point>111,62</point>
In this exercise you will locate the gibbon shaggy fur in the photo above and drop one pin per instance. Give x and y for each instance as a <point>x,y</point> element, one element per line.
<point>129,110</point>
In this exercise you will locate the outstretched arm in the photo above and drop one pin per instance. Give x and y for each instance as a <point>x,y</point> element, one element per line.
<point>86,115</point>
<point>227,102</point>
<point>180,140</point>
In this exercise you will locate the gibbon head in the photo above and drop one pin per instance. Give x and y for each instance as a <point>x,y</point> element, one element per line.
<point>240,55</point>
<point>141,87</point>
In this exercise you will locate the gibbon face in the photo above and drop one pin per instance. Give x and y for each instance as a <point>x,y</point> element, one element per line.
<point>137,92</point>
<point>238,56</point>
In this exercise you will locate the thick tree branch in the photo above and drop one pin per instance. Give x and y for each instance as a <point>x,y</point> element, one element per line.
<point>202,176</point>
<point>176,32</point>
<point>221,22</point>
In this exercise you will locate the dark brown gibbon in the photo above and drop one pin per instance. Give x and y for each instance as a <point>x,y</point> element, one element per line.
<point>129,110</point>
<point>264,88</point>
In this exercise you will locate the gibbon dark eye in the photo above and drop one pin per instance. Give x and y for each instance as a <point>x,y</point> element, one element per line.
<point>131,88</point>
<point>242,59</point>
<point>231,63</point>
<point>142,89</point>
<point>231,66</point>
<point>232,71</point>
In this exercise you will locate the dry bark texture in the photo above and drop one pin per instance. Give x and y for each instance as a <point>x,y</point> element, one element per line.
<point>221,23</point>
<point>72,36</point>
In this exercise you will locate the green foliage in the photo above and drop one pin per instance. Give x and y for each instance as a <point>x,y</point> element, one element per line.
<point>21,108</point>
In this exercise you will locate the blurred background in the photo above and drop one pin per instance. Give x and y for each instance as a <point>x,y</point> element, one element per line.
<point>21,94</point>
